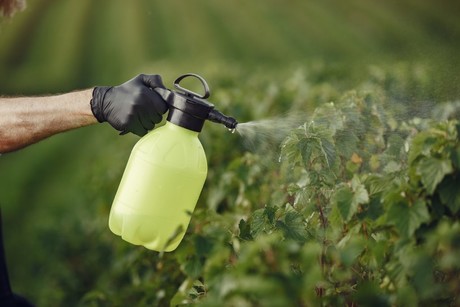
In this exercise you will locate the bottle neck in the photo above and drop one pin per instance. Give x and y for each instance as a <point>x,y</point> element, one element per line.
<point>185,120</point>
<point>172,126</point>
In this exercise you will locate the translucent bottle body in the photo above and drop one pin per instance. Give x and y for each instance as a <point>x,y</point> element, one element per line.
<point>159,189</point>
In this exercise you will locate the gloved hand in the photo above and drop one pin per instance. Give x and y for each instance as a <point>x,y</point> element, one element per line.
<point>132,106</point>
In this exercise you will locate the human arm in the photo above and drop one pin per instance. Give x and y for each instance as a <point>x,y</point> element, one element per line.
<point>133,106</point>
<point>27,120</point>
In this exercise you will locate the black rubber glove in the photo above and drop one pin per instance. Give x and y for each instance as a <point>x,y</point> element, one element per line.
<point>132,106</point>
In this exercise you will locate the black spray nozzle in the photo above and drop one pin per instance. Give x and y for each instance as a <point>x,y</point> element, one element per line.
<point>189,110</point>
<point>218,117</point>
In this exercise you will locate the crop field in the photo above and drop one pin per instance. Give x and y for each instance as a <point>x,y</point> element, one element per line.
<point>340,187</point>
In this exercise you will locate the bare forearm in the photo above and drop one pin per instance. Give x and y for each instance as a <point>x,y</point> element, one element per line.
<point>27,120</point>
<point>133,106</point>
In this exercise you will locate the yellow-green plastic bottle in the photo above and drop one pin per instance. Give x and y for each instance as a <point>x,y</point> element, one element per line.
<point>159,188</point>
<point>165,174</point>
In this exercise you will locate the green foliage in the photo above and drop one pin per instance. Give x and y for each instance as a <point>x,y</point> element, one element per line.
<point>360,207</point>
<point>357,205</point>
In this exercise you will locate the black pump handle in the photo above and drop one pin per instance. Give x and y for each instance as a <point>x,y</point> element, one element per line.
<point>207,92</point>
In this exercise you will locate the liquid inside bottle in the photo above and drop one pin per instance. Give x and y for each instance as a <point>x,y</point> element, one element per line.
<point>159,189</point>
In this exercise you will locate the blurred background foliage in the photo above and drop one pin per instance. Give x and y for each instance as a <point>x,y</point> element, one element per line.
<point>261,58</point>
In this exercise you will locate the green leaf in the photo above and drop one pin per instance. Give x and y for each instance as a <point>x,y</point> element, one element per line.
<point>449,193</point>
<point>328,150</point>
<point>432,171</point>
<point>302,196</point>
<point>270,213</point>
<point>369,294</point>
<point>348,199</point>
<point>408,219</point>
<point>396,271</point>
<point>291,149</point>
<point>455,155</point>
<point>193,267</point>
<point>181,297</point>
<point>407,296</point>
<point>306,146</point>
<point>392,167</point>
<point>262,220</point>
<point>347,142</point>
<point>394,145</point>
<point>421,145</point>
<point>377,183</point>
<point>245,230</point>
<point>343,199</point>
<point>424,282</point>
<point>351,250</point>
<point>258,222</point>
<point>203,245</point>
<point>360,193</point>
<point>293,226</point>
<point>375,208</point>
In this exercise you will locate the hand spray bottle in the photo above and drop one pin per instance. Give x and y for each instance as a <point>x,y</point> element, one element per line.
<point>165,173</point>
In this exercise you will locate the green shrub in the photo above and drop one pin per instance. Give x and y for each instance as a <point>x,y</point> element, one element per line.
<point>357,205</point>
